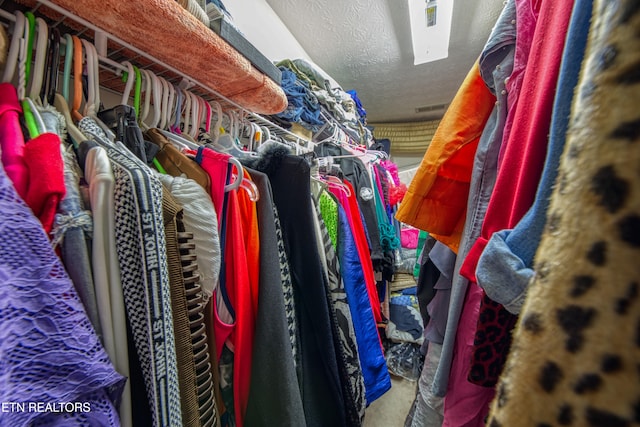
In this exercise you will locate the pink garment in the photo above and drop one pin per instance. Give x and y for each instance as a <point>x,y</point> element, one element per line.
<point>466,404</point>
<point>392,168</point>
<point>35,168</point>
<point>46,177</point>
<point>526,16</point>
<point>525,146</point>
<point>217,166</point>
<point>409,237</point>
<point>12,140</point>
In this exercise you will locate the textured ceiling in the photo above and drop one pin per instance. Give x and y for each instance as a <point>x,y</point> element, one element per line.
<point>366,45</point>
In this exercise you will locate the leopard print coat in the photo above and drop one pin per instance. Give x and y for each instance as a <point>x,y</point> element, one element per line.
<point>575,358</point>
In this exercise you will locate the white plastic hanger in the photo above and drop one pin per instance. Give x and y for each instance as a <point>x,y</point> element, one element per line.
<point>96,79</point>
<point>90,105</point>
<point>14,49</point>
<point>192,129</point>
<point>197,111</point>
<point>189,117</point>
<point>177,109</point>
<point>254,133</point>
<point>266,135</point>
<point>199,117</point>
<point>147,89</point>
<point>157,100</point>
<point>227,144</point>
<point>207,117</point>
<point>62,106</point>
<point>22,62</point>
<point>131,78</point>
<point>239,177</point>
<point>37,72</point>
<point>165,104</point>
<point>186,111</point>
<point>218,124</point>
<point>170,105</point>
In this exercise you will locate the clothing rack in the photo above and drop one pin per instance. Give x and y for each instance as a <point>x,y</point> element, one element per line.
<point>112,50</point>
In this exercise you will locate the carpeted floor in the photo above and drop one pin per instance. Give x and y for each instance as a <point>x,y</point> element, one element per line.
<point>392,408</point>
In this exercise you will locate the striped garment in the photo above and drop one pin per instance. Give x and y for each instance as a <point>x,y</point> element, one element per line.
<point>145,279</point>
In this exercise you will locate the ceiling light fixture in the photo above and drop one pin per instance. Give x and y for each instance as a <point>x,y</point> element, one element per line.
<point>430,28</point>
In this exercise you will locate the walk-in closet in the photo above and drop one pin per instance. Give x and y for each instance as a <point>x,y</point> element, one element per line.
<point>279,213</point>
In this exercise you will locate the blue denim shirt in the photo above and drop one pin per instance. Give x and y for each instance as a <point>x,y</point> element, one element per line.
<point>496,63</point>
<point>505,268</point>
<point>303,106</point>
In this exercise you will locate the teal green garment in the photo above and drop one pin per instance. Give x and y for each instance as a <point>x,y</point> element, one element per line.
<point>422,237</point>
<point>388,234</point>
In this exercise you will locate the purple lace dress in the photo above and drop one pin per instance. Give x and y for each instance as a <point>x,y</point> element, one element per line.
<point>51,360</point>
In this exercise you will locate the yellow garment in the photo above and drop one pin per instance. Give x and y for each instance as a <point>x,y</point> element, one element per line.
<point>436,200</point>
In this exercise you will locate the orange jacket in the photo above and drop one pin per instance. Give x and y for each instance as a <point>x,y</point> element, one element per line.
<point>436,200</point>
